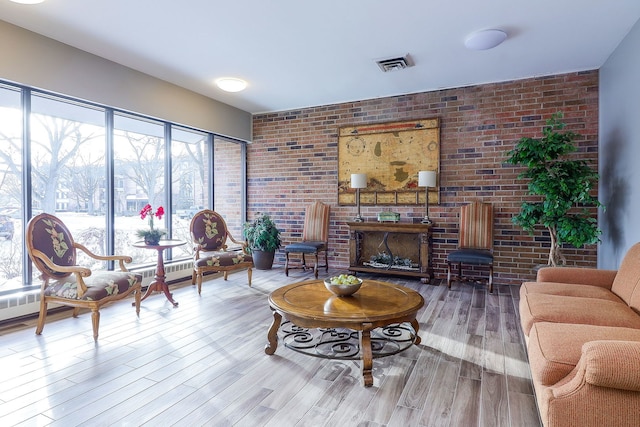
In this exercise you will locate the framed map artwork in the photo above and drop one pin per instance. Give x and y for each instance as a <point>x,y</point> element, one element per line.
<point>391,154</point>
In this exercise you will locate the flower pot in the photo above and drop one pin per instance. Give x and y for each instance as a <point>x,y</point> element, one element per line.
<point>152,240</point>
<point>262,260</point>
<point>151,237</point>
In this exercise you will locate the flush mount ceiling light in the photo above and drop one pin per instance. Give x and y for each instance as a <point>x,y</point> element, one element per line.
<point>231,84</point>
<point>28,1</point>
<point>485,39</point>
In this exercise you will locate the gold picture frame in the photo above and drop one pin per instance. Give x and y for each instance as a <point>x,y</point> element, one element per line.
<point>391,154</point>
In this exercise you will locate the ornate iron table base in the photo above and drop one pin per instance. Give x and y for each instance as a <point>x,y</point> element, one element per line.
<point>357,326</point>
<point>342,343</point>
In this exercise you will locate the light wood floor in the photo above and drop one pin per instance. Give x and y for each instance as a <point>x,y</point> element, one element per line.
<point>203,363</point>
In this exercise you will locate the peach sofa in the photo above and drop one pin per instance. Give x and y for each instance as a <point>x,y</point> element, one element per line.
<point>582,330</point>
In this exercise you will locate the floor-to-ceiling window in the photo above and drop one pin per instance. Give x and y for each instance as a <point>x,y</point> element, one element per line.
<point>67,159</point>
<point>190,166</point>
<point>139,165</point>
<point>11,188</point>
<point>96,167</point>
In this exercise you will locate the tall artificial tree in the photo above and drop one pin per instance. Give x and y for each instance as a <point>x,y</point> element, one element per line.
<point>562,187</point>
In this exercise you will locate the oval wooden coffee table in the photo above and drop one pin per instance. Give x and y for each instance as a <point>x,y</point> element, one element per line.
<point>377,304</point>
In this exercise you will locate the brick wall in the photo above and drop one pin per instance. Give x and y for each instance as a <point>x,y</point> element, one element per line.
<point>228,184</point>
<point>293,161</point>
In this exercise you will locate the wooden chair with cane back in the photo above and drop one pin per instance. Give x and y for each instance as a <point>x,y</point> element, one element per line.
<point>315,238</point>
<point>475,241</point>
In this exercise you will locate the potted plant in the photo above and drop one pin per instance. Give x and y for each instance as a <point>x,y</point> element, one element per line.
<point>263,239</point>
<point>151,236</point>
<point>562,185</point>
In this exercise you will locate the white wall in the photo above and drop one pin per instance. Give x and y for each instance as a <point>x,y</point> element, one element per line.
<point>619,151</point>
<point>37,61</point>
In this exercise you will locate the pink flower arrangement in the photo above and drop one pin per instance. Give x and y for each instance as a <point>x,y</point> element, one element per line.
<point>151,236</point>
<point>148,211</point>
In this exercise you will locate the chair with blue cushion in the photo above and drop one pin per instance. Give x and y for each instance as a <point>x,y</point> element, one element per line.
<point>211,251</point>
<point>315,238</point>
<point>53,252</point>
<point>475,242</point>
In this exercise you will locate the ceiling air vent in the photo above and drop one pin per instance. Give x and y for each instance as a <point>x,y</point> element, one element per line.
<point>394,64</point>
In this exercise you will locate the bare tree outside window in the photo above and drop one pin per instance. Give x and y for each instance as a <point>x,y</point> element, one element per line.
<point>189,186</point>
<point>86,177</point>
<point>11,189</point>
<point>144,166</point>
<point>54,144</point>
<point>139,153</point>
<point>67,165</point>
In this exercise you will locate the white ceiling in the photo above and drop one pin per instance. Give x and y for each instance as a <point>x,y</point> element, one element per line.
<point>297,53</point>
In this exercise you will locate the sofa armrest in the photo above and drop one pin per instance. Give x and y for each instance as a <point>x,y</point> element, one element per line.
<point>603,389</point>
<point>577,275</point>
<point>612,364</point>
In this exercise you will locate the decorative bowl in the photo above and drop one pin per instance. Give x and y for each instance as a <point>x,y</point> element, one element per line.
<point>342,290</point>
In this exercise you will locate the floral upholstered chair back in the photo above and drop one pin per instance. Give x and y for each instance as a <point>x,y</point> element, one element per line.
<point>209,231</point>
<point>49,235</point>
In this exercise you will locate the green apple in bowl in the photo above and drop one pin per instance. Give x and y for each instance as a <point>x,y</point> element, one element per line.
<point>343,285</point>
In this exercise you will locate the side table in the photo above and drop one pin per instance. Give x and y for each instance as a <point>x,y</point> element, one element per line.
<point>159,283</point>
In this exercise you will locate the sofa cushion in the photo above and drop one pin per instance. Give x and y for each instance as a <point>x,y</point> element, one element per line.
<point>101,284</point>
<point>537,307</point>
<point>568,289</point>
<point>555,348</point>
<point>305,247</point>
<point>222,259</point>
<point>471,256</point>
<point>628,277</point>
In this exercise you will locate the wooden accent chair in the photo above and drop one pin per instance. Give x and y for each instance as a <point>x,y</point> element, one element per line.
<point>475,242</point>
<point>315,238</point>
<point>209,234</point>
<point>53,252</point>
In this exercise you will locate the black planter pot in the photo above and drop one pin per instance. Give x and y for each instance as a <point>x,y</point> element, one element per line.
<point>262,260</point>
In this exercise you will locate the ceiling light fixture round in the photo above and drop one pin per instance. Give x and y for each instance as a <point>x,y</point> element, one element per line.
<point>28,1</point>
<point>231,84</point>
<point>485,39</point>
